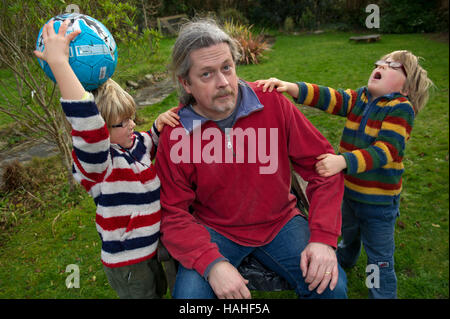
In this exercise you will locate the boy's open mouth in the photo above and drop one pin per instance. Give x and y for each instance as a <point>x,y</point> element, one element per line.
<point>377,76</point>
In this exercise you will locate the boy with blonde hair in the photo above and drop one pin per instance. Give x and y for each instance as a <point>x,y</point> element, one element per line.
<point>380,118</point>
<point>114,164</point>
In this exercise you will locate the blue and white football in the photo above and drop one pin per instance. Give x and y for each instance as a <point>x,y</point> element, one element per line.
<point>93,53</point>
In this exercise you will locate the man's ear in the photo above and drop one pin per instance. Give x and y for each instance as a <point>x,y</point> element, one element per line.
<point>185,84</point>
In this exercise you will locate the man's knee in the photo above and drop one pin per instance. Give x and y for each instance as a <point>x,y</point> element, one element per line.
<point>340,291</point>
<point>190,285</point>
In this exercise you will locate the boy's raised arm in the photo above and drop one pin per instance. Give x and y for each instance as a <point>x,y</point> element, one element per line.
<point>282,86</point>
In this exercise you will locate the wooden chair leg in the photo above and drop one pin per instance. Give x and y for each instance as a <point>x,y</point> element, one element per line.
<point>170,265</point>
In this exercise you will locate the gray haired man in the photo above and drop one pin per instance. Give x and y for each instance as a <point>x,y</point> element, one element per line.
<point>224,197</point>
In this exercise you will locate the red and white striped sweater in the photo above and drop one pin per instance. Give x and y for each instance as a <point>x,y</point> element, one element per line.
<point>123,183</point>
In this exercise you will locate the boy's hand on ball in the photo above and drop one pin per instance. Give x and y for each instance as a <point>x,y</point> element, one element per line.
<point>56,54</point>
<point>56,44</point>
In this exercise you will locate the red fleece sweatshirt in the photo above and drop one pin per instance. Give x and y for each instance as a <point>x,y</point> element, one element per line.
<point>245,198</point>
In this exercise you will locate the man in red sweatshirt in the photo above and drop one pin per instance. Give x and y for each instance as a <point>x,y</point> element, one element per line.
<point>225,176</point>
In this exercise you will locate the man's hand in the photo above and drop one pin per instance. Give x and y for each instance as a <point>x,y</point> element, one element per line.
<point>319,266</point>
<point>227,282</point>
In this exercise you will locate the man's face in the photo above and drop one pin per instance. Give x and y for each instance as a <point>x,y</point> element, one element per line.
<point>212,81</point>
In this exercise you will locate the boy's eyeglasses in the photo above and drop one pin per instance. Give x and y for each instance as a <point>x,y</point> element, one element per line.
<point>124,123</point>
<point>392,64</point>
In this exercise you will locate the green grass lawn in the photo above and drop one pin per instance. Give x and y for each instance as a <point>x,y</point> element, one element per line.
<point>42,233</point>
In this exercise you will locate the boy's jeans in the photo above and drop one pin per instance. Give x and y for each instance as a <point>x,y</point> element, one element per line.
<point>373,225</point>
<point>282,255</point>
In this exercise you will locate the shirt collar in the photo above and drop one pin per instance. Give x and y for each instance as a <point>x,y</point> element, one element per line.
<point>389,96</point>
<point>249,103</point>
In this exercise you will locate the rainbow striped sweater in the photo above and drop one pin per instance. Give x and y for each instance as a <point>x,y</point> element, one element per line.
<point>123,183</point>
<point>373,140</point>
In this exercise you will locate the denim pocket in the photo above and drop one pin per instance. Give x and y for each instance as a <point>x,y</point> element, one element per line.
<point>392,211</point>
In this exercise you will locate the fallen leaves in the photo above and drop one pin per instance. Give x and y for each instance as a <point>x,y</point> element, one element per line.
<point>402,225</point>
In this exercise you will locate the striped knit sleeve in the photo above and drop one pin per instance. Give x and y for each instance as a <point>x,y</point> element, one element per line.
<point>389,146</point>
<point>151,140</point>
<point>90,138</point>
<point>337,102</point>
<point>155,134</point>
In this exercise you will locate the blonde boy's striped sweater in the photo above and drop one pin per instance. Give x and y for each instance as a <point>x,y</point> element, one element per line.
<point>373,140</point>
<point>123,183</point>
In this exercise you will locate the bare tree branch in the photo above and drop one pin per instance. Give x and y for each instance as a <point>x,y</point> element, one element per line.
<point>32,102</point>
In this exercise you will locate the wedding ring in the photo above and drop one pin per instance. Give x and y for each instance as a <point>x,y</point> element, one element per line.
<point>327,272</point>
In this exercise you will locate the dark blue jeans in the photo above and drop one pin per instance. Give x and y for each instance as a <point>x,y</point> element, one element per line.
<point>281,255</point>
<point>373,226</point>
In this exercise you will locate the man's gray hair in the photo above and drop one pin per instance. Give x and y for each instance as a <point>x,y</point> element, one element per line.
<point>192,36</point>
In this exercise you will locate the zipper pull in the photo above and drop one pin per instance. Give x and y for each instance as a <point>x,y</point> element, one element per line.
<point>229,144</point>
<point>227,134</point>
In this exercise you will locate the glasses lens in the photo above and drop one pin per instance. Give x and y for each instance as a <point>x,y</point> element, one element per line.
<point>395,64</point>
<point>391,64</point>
<point>125,123</point>
<point>128,121</point>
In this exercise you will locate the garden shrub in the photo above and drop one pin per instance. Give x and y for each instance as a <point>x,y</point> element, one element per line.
<point>252,46</point>
<point>289,24</point>
<point>307,21</point>
<point>232,14</point>
<point>403,16</point>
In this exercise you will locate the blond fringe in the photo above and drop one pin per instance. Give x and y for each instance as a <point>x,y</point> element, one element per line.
<point>114,103</point>
<point>417,83</point>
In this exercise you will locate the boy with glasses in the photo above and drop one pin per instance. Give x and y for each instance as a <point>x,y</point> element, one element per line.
<point>380,118</point>
<point>114,164</point>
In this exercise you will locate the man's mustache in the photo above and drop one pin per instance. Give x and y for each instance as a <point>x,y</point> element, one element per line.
<point>223,92</point>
